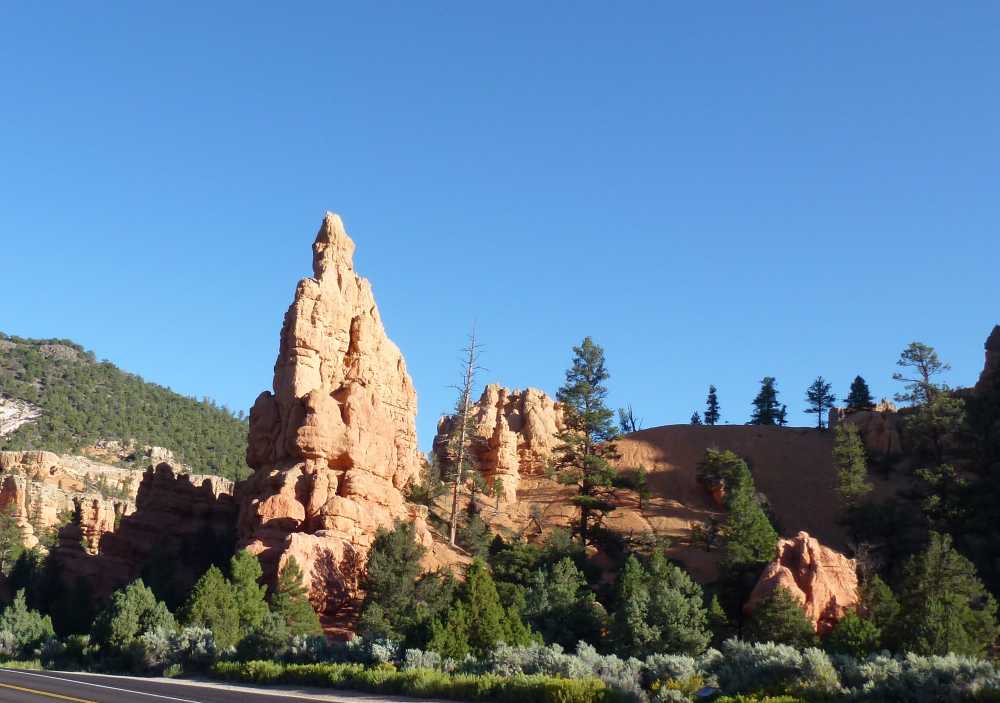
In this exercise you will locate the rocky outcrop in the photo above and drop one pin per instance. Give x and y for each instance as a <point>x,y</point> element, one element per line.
<point>991,369</point>
<point>181,523</point>
<point>513,435</point>
<point>14,413</point>
<point>880,429</point>
<point>823,580</point>
<point>44,489</point>
<point>334,444</point>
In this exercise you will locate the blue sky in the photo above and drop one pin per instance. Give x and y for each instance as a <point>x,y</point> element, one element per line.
<point>714,193</point>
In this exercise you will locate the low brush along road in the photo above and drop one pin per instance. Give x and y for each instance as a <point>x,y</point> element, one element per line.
<point>18,686</point>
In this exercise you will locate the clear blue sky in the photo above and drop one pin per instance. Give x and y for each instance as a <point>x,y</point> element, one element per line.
<point>715,194</point>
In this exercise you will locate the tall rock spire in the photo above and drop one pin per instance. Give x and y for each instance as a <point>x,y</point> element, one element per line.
<point>335,442</point>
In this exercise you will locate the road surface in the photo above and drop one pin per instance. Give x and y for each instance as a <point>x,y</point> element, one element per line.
<point>63,687</point>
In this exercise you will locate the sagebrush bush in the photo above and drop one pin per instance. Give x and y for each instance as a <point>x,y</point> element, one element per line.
<point>918,679</point>
<point>774,668</point>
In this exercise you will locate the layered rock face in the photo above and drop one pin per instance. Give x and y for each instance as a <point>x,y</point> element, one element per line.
<point>42,487</point>
<point>514,435</point>
<point>335,443</point>
<point>991,369</point>
<point>823,580</point>
<point>179,523</point>
<point>880,429</point>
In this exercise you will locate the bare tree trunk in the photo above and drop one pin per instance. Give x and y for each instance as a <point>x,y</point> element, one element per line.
<point>463,416</point>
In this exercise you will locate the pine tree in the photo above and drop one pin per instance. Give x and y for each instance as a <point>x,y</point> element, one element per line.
<point>854,636</point>
<point>251,597</point>
<point>879,604</point>
<point>944,606</point>
<point>213,605</point>
<point>132,612</point>
<point>583,459</point>
<point>718,622</point>
<point>850,463</point>
<point>461,434</point>
<point>712,415</point>
<point>779,618</point>
<point>659,609</point>
<point>29,628</point>
<point>695,419</point>
<point>766,410</point>
<point>925,364</point>
<point>859,398</point>
<point>11,545</point>
<point>290,601</point>
<point>820,399</point>
<point>477,621</point>
<point>560,606</point>
<point>749,536</point>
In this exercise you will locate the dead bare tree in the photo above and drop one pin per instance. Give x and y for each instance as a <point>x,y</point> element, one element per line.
<point>461,434</point>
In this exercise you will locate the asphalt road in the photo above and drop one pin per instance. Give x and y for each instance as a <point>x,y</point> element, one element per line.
<point>51,687</point>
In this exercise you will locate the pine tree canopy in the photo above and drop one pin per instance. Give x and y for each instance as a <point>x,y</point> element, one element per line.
<point>820,399</point>
<point>766,410</point>
<point>859,398</point>
<point>712,407</point>
<point>583,459</point>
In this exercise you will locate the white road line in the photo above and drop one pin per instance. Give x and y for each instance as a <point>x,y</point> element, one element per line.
<point>97,685</point>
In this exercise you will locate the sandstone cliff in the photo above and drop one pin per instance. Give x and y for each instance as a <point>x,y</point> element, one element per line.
<point>823,580</point>
<point>334,444</point>
<point>514,434</point>
<point>43,489</point>
<point>991,368</point>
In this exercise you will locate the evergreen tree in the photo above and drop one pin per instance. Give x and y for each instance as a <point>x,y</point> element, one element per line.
<point>718,622</point>
<point>11,545</point>
<point>854,636</point>
<point>583,459</point>
<point>400,602</point>
<point>560,606</point>
<point>695,419</point>
<point>132,612</point>
<point>213,605</point>
<point>782,416</point>
<point>659,609</point>
<point>251,597</point>
<point>291,602</point>
<point>944,606</point>
<point>478,621</point>
<point>820,399</point>
<point>748,534</point>
<point>850,464</point>
<point>766,410</point>
<point>923,365</point>
<point>29,628</point>
<point>879,604</point>
<point>928,427</point>
<point>780,618</point>
<point>712,415</point>
<point>859,398</point>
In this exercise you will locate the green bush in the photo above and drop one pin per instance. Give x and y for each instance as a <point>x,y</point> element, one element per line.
<point>424,683</point>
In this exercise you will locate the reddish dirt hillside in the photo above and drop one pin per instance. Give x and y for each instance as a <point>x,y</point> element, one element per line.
<point>792,467</point>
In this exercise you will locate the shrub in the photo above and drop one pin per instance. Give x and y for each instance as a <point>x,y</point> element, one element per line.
<point>853,636</point>
<point>918,679</point>
<point>779,618</point>
<point>269,640</point>
<point>24,630</point>
<point>132,612</point>
<point>774,668</point>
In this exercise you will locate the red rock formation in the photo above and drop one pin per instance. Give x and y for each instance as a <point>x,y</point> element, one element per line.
<point>880,429</point>
<point>177,523</point>
<point>991,369</point>
<point>43,487</point>
<point>823,580</point>
<point>335,443</point>
<point>514,435</point>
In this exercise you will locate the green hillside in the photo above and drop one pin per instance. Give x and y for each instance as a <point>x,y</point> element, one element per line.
<point>83,400</point>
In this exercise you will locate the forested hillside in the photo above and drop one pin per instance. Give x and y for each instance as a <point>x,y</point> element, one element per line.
<point>83,400</point>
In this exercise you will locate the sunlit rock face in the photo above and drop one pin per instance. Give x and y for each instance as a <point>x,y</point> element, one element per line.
<point>334,444</point>
<point>823,580</point>
<point>514,433</point>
